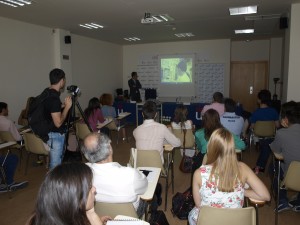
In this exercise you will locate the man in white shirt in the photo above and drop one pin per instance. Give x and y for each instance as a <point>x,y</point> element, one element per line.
<point>114,183</point>
<point>152,135</point>
<point>11,161</point>
<point>230,120</point>
<point>6,124</point>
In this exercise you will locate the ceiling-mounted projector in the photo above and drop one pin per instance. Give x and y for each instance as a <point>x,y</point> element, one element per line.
<point>149,19</point>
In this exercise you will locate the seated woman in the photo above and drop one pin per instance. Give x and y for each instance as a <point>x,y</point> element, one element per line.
<point>181,122</point>
<point>23,118</point>
<point>108,110</point>
<point>211,122</point>
<point>94,115</point>
<point>67,196</point>
<point>221,182</point>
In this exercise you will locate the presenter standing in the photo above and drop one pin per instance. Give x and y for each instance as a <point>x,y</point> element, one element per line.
<point>134,85</point>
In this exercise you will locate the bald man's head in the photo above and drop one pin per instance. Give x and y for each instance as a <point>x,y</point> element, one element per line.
<point>96,147</point>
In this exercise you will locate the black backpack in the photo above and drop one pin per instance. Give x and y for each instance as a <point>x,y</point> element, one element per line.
<point>37,118</point>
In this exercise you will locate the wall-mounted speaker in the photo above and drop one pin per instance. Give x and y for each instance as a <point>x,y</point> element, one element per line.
<point>68,39</point>
<point>283,22</point>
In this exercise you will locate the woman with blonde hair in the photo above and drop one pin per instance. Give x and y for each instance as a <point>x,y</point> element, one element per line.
<point>221,182</point>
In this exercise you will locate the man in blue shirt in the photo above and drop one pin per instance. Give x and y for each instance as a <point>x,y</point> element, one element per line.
<point>264,113</point>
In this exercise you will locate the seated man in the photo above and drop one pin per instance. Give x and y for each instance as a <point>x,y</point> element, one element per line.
<point>264,113</point>
<point>217,104</point>
<point>6,124</point>
<point>114,183</point>
<point>152,135</point>
<point>286,142</point>
<point>11,161</point>
<point>230,120</point>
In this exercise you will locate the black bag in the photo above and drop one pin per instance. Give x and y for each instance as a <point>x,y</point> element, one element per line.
<point>158,218</point>
<point>37,119</point>
<point>182,204</point>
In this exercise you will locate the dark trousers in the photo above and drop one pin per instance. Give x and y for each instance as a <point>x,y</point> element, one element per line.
<point>265,151</point>
<point>283,199</point>
<point>10,166</point>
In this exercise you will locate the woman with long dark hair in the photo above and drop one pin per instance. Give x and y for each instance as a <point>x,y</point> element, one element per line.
<point>66,197</point>
<point>211,122</point>
<point>221,182</point>
<point>94,114</point>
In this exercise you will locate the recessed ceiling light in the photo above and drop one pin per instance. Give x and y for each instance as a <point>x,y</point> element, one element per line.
<point>16,3</point>
<point>244,31</point>
<point>181,35</point>
<point>243,10</point>
<point>132,39</point>
<point>91,25</point>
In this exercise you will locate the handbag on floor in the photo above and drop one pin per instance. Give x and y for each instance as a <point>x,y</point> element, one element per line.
<point>158,217</point>
<point>182,204</point>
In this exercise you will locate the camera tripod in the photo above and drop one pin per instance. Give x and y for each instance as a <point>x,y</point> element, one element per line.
<point>71,119</point>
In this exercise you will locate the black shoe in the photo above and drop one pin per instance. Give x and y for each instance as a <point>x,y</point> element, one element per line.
<point>18,185</point>
<point>3,188</point>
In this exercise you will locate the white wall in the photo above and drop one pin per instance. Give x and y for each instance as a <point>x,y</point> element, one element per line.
<point>96,67</point>
<point>28,53</point>
<point>26,57</point>
<point>216,51</point>
<point>294,54</point>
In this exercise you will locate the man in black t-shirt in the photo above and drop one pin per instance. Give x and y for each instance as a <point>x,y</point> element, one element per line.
<point>57,113</point>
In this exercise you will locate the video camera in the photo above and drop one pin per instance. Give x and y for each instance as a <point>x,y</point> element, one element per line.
<point>74,89</point>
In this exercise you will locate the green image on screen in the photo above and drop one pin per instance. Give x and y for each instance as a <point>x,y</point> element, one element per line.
<point>176,70</point>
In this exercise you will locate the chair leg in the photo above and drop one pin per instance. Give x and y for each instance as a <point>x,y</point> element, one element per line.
<point>166,192</point>
<point>278,189</point>
<point>117,137</point>
<point>172,171</point>
<point>26,168</point>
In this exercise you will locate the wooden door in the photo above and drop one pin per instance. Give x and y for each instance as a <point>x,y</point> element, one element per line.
<point>246,80</point>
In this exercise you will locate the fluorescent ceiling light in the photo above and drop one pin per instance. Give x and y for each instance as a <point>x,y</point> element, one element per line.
<point>245,31</point>
<point>91,25</point>
<point>16,3</point>
<point>132,39</point>
<point>243,10</point>
<point>181,35</point>
<point>262,17</point>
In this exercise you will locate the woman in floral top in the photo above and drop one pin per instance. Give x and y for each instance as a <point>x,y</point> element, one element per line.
<point>220,183</point>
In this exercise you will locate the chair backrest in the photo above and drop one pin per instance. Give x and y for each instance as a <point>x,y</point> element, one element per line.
<point>189,137</point>
<point>34,144</point>
<point>114,209</point>
<point>6,136</point>
<point>149,158</point>
<point>225,216</point>
<point>82,130</point>
<point>112,125</point>
<point>291,179</point>
<point>264,128</point>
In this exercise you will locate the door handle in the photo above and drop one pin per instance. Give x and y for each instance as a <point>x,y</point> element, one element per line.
<point>251,90</point>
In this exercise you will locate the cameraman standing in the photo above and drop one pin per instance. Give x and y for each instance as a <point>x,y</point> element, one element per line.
<point>57,113</point>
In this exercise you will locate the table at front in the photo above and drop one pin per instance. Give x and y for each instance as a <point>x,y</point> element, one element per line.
<point>152,178</point>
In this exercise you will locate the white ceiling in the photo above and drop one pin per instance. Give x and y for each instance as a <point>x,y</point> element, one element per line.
<point>206,19</point>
